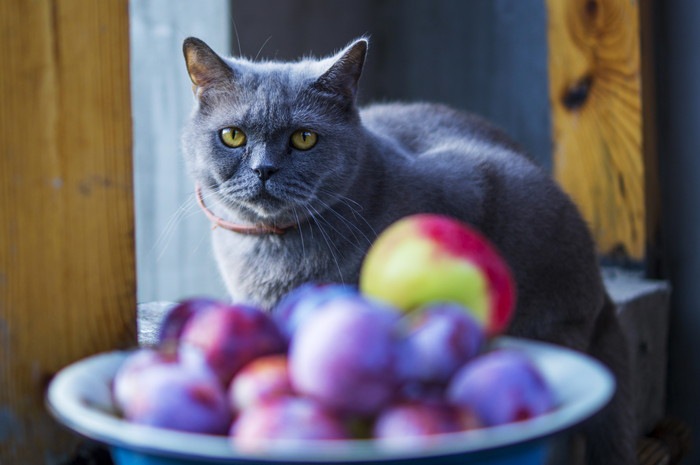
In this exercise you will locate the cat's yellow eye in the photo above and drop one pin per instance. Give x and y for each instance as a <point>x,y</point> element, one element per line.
<point>304,139</point>
<point>233,137</point>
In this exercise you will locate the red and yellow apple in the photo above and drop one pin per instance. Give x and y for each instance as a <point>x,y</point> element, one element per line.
<point>427,258</point>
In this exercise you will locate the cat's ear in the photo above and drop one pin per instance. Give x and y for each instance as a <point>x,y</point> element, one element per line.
<point>205,67</point>
<point>343,75</point>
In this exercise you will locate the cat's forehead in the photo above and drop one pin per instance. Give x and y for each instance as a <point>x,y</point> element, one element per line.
<point>271,93</point>
<point>282,78</point>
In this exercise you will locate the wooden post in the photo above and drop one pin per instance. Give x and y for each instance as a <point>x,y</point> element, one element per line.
<point>67,274</point>
<point>596,96</point>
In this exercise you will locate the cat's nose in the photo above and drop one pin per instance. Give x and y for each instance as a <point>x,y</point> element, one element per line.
<point>265,171</point>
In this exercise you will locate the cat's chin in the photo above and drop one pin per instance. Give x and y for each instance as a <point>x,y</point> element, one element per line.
<point>278,216</point>
<point>262,208</point>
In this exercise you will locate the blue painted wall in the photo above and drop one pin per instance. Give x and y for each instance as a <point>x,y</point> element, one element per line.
<point>173,252</point>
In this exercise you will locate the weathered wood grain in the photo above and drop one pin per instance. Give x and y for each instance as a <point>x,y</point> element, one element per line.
<point>67,272</point>
<point>596,99</point>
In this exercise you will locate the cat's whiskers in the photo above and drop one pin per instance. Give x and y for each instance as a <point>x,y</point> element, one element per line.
<point>345,199</point>
<point>301,232</point>
<point>160,245</point>
<point>319,217</point>
<point>348,224</point>
<point>203,238</point>
<point>300,194</point>
<point>231,190</point>
<point>187,209</point>
<point>349,204</point>
<point>261,48</point>
<point>329,243</point>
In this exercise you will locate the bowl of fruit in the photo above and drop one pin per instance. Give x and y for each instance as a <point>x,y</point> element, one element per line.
<point>403,368</point>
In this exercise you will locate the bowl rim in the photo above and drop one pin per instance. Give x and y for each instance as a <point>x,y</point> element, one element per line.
<point>79,397</point>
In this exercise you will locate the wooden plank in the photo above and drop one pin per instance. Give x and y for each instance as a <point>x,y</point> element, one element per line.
<point>67,273</point>
<point>596,99</point>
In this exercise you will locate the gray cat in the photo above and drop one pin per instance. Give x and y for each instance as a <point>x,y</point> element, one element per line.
<point>302,181</point>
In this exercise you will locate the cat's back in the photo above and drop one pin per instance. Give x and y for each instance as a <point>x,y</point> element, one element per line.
<point>422,127</point>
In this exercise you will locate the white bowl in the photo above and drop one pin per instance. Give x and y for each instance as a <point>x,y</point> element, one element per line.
<point>80,397</point>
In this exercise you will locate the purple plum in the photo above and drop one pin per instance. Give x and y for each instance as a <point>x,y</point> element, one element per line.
<point>501,387</point>
<point>261,380</point>
<point>127,380</point>
<point>442,338</point>
<point>227,337</point>
<point>287,419</point>
<point>180,397</point>
<point>345,357</point>
<point>407,422</point>
<point>304,301</point>
<point>174,322</point>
